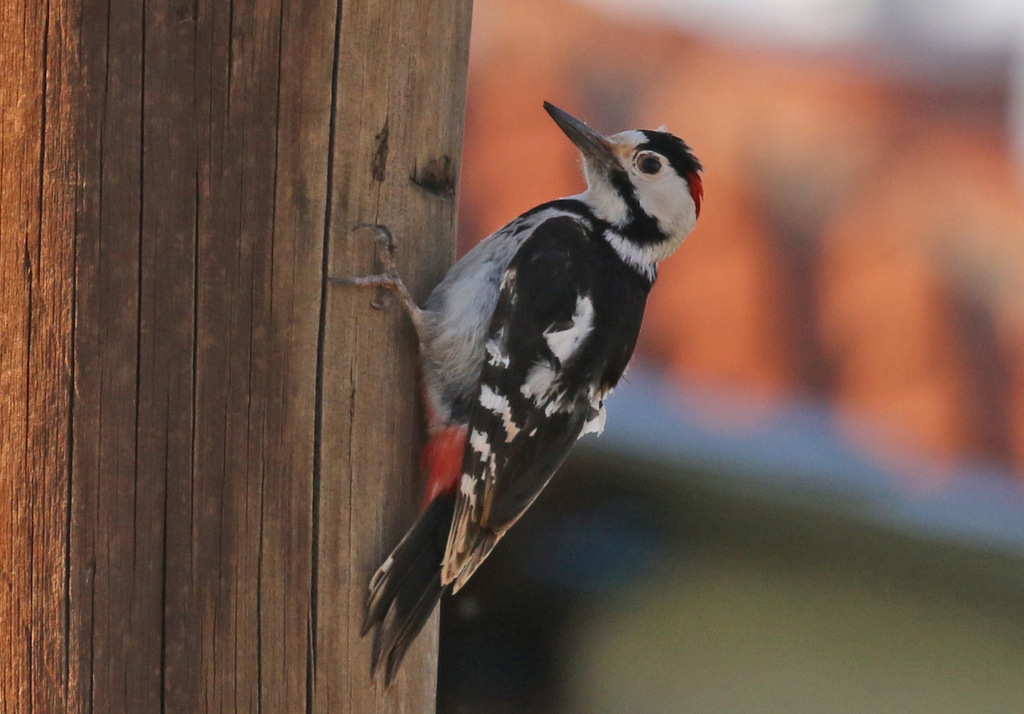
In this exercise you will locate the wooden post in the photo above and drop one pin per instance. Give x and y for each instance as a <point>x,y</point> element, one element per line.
<point>36,262</point>
<point>404,126</point>
<point>204,447</point>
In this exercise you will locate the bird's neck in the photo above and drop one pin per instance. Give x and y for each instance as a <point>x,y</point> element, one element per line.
<point>636,237</point>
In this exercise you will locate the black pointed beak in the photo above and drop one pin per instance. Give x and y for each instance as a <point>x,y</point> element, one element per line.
<point>595,147</point>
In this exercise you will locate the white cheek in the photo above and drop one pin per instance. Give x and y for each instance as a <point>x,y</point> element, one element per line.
<point>668,199</point>
<point>604,200</point>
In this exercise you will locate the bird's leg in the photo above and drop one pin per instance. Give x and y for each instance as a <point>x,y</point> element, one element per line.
<point>387,249</point>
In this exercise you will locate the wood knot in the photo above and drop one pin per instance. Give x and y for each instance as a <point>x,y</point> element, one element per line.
<point>379,162</point>
<point>437,176</point>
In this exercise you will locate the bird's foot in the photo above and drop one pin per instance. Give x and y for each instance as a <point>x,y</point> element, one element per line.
<point>387,252</point>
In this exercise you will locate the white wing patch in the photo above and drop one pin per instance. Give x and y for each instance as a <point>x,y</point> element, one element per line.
<point>598,414</point>
<point>595,425</point>
<point>538,381</point>
<point>478,440</point>
<point>564,343</point>
<point>540,387</point>
<point>541,380</point>
<point>491,400</point>
<point>496,355</point>
<point>468,489</point>
<point>498,404</point>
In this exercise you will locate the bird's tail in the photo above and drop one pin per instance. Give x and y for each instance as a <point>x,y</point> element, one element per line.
<point>406,588</point>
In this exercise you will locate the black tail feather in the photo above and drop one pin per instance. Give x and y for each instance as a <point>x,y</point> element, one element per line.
<point>407,587</point>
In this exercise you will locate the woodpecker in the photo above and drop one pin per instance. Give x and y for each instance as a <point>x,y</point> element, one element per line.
<point>520,346</point>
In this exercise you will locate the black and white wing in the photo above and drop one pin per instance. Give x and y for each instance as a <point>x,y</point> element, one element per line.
<point>553,352</point>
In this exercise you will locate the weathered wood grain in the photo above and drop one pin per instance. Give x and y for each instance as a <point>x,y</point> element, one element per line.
<point>399,88</point>
<point>205,449</point>
<point>36,258</point>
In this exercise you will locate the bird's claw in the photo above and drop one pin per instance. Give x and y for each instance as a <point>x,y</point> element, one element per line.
<point>387,252</point>
<point>381,300</point>
<point>387,247</point>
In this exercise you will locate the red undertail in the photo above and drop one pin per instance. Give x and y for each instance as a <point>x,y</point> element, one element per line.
<point>442,461</point>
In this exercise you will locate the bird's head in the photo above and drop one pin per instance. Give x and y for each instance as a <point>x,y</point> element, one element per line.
<point>646,184</point>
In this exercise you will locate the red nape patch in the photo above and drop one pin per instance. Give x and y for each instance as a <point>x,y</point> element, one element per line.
<point>696,189</point>
<point>442,461</point>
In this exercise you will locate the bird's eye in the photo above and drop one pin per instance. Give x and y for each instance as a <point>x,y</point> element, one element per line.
<point>648,163</point>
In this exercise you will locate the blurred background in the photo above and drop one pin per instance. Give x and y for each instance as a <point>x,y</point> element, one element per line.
<point>809,497</point>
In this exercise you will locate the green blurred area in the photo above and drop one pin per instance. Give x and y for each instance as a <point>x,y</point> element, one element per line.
<point>760,606</point>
